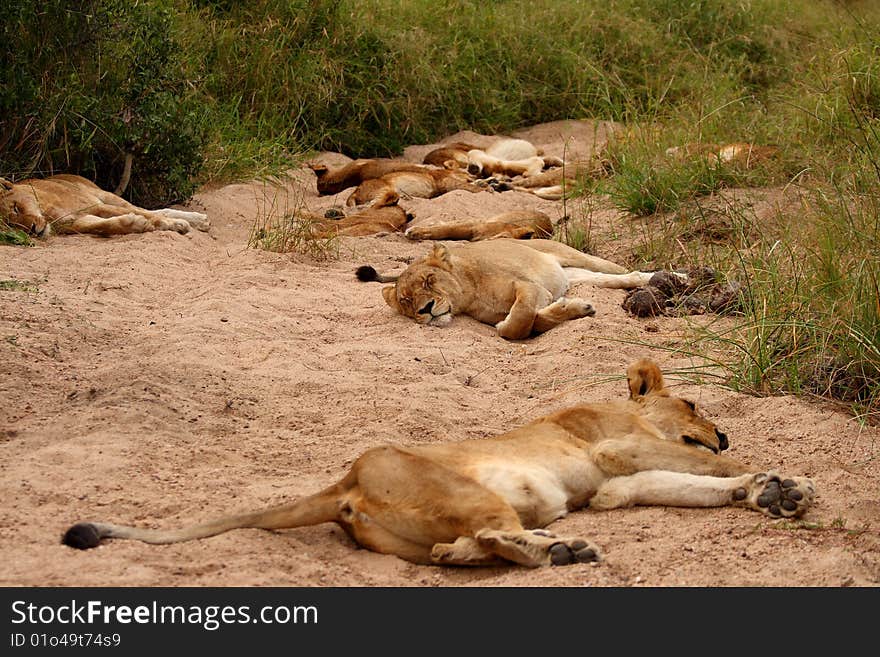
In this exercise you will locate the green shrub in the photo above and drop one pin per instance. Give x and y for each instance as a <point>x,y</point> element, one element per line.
<point>87,82</point>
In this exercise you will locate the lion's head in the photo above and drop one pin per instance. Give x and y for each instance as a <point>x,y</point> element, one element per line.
<point>428,291</point>
<point>20,208</point>
<point>677,419</point>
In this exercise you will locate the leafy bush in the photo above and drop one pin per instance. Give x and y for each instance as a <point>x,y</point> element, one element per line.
<point>87,82</point>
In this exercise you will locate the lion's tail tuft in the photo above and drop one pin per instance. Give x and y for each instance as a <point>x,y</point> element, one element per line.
<point>82,536</point>
<point>367,274</point>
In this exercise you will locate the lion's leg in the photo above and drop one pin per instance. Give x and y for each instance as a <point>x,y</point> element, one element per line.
<point>567,256</point>
<point>627,281</point>
<point>465,551</point>
<point>537,547</point>
<point>533,548</point>
<point>455,231</point>
<point>560,311</point>
<point>521,318</point>
<point>409,505</point>
<point>123,224</point>
<point>166,219</point>
<point>197,220</point>
<point>765,492</point>
<point>421,500</point>
<point>618,457</point>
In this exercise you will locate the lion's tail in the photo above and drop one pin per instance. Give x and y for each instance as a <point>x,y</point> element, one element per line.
<point>312,510</point>
<point>367,274</point>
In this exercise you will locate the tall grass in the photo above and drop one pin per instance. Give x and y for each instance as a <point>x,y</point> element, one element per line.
<point>213,90</point>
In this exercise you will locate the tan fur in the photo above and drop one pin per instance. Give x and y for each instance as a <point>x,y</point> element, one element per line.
<point>449,156</point>
<point>516,224</point>
<point>515,285</point>
<point>68,204</point>
<point>333,181</point>
<point>508,148</point>
<point>426,183</point>
<point>389,218</point>
<point>737,153</point>
<point>482,501</point>
<point>482,164</point>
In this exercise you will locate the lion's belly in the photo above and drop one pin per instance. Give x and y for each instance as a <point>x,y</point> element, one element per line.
<point>509,260</point>
<point>539,493</point>
<point>414,185</point>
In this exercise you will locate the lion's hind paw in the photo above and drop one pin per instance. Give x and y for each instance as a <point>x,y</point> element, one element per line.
<point>538,547</point>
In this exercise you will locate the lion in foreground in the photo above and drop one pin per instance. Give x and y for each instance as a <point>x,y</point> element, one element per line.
<point>68,204</point>
<point>515,285</point>
<point>486,501</point>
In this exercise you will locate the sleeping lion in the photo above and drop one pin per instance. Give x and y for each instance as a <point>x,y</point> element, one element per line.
<point>68,204</point>
<point>518,286</point>
<point>486,501</point>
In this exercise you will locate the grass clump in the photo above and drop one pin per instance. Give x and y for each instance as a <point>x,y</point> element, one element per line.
<point>14,236</point>
<point>15,285</point>
<point>290,231</point>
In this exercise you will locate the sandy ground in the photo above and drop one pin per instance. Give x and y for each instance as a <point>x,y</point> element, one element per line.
<point>154,379</point>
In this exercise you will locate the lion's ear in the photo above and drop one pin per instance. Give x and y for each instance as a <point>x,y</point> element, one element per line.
<point>390,294</point>
<point>319,169</point>
<point>439,257</point>
<point>6,184</point>
<point>644,377</point>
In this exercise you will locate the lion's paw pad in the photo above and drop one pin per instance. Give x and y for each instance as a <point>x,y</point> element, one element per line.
<point>777,497</point>
<point>572,551</point>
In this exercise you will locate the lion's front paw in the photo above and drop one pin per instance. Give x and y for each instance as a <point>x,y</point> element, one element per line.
<point>579,308</point>
<point>180,225</point>
<point>777,497</point>
<point>200,222</point>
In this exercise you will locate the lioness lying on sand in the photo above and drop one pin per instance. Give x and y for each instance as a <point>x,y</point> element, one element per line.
<point>739,153</point>
<point>484,501</point>
<point>352,174</point>
<point>515,285</point>
<point>426,183</point>
<point>68,204</point>
<point>389,218</point>
<point>449,156</point>
<point>516,224</point>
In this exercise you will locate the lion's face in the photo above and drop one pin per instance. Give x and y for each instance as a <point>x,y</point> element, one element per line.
<point>677,419</point>
<point>19,208</point>
<point>427,291</point>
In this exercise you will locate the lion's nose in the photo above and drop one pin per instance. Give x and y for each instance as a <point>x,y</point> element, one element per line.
<point>722,440</point>
<point>426,309</point>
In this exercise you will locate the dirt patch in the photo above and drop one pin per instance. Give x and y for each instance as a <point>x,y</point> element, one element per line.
<point>157,378</point>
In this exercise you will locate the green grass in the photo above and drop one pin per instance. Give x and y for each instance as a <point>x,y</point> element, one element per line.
<point>292,234</point>
<point>13,285</point>
<point>288,231</point>
<point>213,90</point>
<point>14,236</point>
